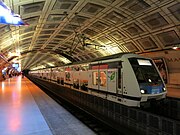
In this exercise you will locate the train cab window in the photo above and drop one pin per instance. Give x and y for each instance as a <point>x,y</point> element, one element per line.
<point>145,71</point>
<point>95,78</point>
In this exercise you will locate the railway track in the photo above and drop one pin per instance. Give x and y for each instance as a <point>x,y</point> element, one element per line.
<point>163,119</point>
<point>89,120</point>
<point>170,108</point>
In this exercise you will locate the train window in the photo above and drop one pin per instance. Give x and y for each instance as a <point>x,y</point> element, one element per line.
<point>99,66</point>
<point>67,75</point>
<point>95,78</point>
<point>139,75</point>
<point>144,62</point>
<point>75,68</point>
<point>53,76</point>
<point>84,68</point>
<point>60,69</point>
<point>119,78</point>
<point>67,68</point>
<point>114,64</point>
<point>109,65</point>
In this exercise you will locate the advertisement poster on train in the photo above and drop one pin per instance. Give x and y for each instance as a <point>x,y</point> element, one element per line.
<point>111,76</point>
<point>161,65</point>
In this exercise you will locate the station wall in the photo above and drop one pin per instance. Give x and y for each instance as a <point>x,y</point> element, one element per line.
<point>172,60</point>
<point>3,64</point>
<point>1,68</point>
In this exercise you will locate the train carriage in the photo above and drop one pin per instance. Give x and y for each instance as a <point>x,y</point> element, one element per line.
<point>127,79</point>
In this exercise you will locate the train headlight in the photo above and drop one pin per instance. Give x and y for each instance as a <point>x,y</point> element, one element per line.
<point>164,89</point>
<point>143,91</point>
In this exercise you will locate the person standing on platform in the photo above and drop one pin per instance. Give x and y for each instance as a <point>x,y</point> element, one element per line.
<point>22,75</point>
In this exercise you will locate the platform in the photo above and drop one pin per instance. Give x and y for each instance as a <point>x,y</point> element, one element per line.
<point>26,110</point>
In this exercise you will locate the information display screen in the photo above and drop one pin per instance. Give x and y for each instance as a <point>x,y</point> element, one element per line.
<point>144,62</point>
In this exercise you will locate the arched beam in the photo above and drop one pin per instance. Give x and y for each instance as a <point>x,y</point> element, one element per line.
<point>46,51</point>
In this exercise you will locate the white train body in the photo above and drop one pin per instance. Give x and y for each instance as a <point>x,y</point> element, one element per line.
<point>127,79</point>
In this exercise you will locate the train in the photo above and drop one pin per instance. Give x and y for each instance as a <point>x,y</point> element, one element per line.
<point>128,79</point>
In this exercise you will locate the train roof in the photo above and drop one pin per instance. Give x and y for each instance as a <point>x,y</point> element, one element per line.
<point>114,56</point>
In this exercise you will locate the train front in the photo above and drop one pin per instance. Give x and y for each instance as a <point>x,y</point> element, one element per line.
<point>150,82</point>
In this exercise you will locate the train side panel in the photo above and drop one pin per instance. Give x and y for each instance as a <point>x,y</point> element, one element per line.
<point>83,78</point>
<point>121,79</point>
<point>112,80</point>
<point>130,88</point>
<point>130,84</point>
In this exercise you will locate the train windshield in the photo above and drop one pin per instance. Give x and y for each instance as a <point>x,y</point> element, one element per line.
<point>145,71</point>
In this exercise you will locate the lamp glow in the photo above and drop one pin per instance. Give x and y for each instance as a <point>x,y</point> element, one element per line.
<point>7,16</point>
<point>143,91</point>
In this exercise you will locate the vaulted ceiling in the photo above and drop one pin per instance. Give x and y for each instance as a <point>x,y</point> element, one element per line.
<point>64,31</point>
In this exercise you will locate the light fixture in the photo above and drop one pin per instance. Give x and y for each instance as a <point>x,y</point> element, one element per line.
<point>164,89</point>
<point>142,91</point>
<point>12,54</point>
<point>176,47</point>
<point>7,16</point>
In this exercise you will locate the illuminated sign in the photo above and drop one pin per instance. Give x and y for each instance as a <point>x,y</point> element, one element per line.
<point>15,65</point>
<point>7,16</point>
<point>144,62</point>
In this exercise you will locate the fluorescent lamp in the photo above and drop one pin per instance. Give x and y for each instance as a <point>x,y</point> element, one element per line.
<point>144,62</point>
<point>7,16</point>
<point>176,47</point>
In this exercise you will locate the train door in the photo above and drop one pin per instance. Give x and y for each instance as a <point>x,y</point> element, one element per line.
<point>48,74</point>
<point>98,76</point>
<point>119,79</point>
<point>75,79</point>
<point>102,79</point>
<point>68,76</point>
<point>56,74</point>
<point>94,79</point>
<point>83,77</point>
<point>52,72</point>
<point>45,74</point>
<point>61,75</point>
<point>112,80</point>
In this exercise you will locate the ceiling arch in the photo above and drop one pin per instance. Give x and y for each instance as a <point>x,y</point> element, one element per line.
<point>80,30</point>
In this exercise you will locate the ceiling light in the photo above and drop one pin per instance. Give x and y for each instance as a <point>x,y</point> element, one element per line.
<point>11,54</point>
<point>51,64</point>
<point>176,47</point>
<point>38,67</point>
<point>7,16</point>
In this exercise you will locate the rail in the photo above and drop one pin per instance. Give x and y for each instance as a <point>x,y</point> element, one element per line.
<point>117,115</point>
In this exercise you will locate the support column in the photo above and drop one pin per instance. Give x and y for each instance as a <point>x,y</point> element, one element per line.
<point>1,77</point>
